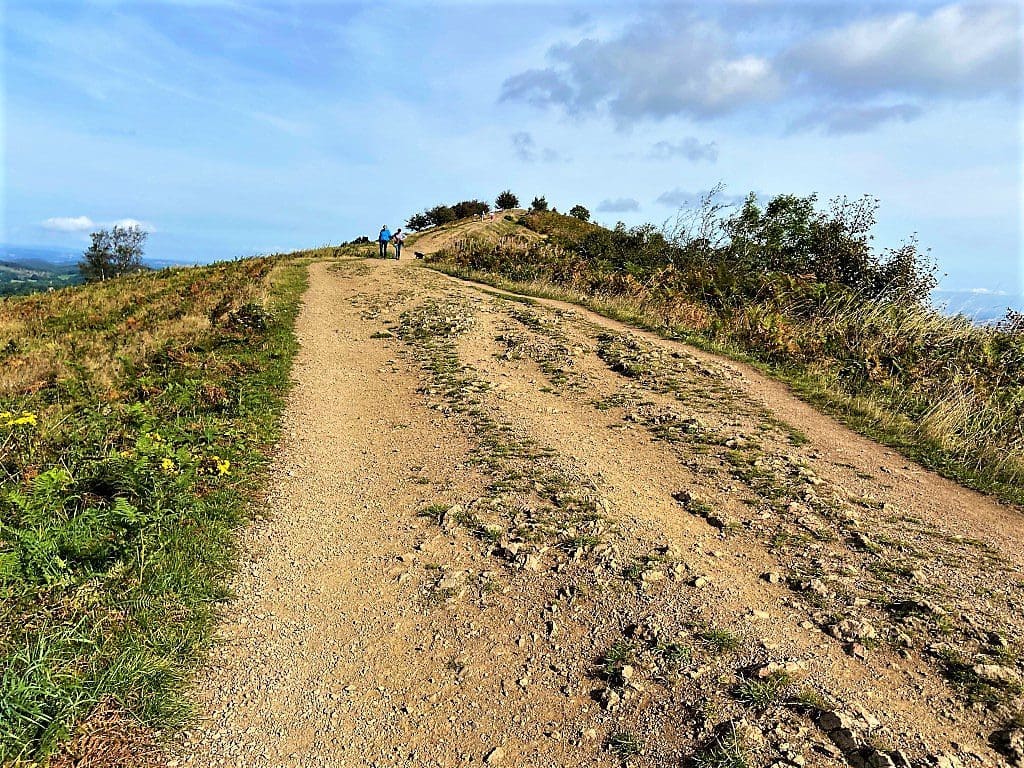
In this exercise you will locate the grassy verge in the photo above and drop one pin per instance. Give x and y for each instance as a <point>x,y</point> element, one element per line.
<point>879,415</point>
<point>135,417</point>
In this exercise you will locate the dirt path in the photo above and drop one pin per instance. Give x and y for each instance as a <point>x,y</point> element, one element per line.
<point>520,534</point>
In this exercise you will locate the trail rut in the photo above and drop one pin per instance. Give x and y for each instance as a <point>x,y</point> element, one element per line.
<point>524,534</point>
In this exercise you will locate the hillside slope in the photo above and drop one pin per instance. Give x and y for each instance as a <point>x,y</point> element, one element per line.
<point>514,532</point>
<point>135,416</point>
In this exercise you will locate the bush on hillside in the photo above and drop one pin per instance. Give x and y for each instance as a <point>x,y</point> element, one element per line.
<point>467,208</point>
<point>440,214</point>
<point>579,212</point>
<point>506,201</point>
<point>418,222</point>
<point>539,204</point>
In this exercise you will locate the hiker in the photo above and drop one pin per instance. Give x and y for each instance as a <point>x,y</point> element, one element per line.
<point>398,239</point>
<point>382,239</point>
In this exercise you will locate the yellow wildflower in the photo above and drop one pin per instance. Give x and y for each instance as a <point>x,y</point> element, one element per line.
<point>167,465</point>
<point>223,465</point>
<point>26,418</point>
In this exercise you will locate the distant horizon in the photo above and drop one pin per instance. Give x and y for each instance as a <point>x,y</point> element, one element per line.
<point>980,303</point>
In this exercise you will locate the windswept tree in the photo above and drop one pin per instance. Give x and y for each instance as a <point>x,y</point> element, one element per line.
<point>506,201</point>
<point>579,212</point>
<point>418,221</point>
<point>112,253</point>
<point>539,204</point>
<point>440,214</point>
<point>467,208</point>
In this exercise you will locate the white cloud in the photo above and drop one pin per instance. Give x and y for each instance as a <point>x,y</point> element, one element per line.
<point>662,66</point>
<point>682,198</point>
<point>527,151</point>
<point>86,224</point>
<point>69,224</point>
<point>676,64</point>
<point>959,50</point>
<point>837,119</point>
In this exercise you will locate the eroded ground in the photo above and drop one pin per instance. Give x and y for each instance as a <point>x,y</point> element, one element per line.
<point>511,532</point>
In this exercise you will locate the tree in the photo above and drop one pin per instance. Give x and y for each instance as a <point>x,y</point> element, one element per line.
<point>579,212</point>
<point>539,204</point>
<point>506,201</point>
<point>418,221</point>
<point>440,214</point>
<point>468,208</point>
<point>113,253</point>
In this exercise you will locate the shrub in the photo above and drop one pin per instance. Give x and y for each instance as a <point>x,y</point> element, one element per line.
<point>440,214</point>
<point>506,201</point>
<point>539,204</point>
<point>467,208</point>
<point>418,221</point>
<point>579,212</point>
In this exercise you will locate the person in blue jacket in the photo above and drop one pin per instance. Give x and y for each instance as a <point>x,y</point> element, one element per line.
<point>383,238</point>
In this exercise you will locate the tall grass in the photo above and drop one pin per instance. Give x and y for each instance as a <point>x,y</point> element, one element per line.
<point>135,417</point>
<point>943,390</point>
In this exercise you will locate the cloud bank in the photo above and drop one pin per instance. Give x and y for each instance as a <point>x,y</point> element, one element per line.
<point>870,71</point>
<point>69,224</point>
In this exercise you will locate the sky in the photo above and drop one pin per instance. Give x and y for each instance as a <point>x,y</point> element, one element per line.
<point>230,128</point>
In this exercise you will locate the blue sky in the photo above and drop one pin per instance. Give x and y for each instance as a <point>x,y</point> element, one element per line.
<point>230,128</point>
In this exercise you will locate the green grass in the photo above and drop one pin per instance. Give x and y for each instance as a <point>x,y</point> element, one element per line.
<point>763,694</point>
<point>720,640</point>
<point>724,751</point>
<point>138,415</point>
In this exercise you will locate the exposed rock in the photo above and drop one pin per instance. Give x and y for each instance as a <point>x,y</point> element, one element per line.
<point>996,674</point>
<point>853,630</point>
<point>652,575</point>
<point>495,756</point>
<point>609,699</point>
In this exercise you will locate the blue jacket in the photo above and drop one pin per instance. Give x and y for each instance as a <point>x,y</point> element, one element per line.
<point>385,235</point>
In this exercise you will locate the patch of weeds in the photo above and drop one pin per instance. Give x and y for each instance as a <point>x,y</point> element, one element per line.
<point>618,656</point>
<point>623,744</point>
<point>672,657</point>
<point>489,586</point>
<point>763,694</point>
<point>435,512</point>
<point>720,640</point>
<point>382,335</point>
<point>960,671</point>
<point>807,699</point>
<point>787,539</point>
<point>724,751</point>
<point>618,400</point>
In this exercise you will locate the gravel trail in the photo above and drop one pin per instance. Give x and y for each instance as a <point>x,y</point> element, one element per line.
<point>512,533</point>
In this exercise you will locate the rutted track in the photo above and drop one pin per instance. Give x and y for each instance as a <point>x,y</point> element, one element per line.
<point>498,526</point>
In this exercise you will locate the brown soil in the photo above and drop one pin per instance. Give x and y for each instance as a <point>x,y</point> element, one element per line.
<point>522,533</point>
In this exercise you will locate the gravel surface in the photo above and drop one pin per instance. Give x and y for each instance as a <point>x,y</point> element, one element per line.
<point>671,500</point>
